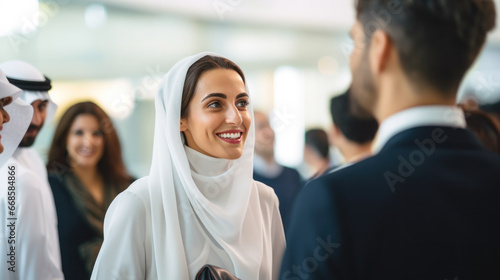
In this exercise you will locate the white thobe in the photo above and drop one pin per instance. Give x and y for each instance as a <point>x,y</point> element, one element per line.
<point>30,230</point>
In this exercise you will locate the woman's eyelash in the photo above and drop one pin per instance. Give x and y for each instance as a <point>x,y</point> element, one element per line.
<point>245,103</point>
<point>211,105</point>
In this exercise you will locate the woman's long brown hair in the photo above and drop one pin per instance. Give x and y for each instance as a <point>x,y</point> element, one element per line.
<point>110,166</point>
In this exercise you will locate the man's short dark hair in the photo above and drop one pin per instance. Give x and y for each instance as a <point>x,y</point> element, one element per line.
<point>317,139</point>
<point>356,129</point>
<point>437,41</point>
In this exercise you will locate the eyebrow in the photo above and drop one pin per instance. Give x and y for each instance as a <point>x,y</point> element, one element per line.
<point>244,94</point>
<point>223,96</point>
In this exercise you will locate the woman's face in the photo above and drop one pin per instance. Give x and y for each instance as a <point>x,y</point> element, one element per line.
<point>218,121</point>
<point>85,142</point>
<point>4,116</point>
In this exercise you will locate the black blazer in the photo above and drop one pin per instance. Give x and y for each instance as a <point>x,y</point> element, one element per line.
<point>427,206</point>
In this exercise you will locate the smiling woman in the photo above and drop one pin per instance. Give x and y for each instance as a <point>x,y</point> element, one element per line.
<point>86,173</point>
<point>199,205</point>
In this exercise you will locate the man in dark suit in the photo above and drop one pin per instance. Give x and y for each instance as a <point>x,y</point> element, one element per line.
<point>427,204</point>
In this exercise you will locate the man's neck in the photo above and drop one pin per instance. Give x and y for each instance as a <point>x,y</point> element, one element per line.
<point>355,152</point>
<point>395,97</point>
<point>321,166</point>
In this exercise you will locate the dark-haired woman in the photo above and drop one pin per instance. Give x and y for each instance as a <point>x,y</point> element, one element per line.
<point>199,205</point>
<point>86,173</point>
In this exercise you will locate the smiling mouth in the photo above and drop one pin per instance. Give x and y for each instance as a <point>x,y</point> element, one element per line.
<point>233,138</point>
<point>86,153</point>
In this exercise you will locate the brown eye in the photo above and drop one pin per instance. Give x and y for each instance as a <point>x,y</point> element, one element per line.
<point>242,103</point>
<point>98,133</point>
<point>42,106</point>
<point>5,101</point>
<point>215,104</point>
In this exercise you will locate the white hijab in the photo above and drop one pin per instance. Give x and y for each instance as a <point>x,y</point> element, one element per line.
<point>20,118</point>
<point>189,202</point>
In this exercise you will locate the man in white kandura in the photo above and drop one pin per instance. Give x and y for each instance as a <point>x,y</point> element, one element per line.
<point>15,117</point>
<point>32,228</point>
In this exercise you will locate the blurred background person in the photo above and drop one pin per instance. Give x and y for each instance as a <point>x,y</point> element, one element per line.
<point>351,134</point>
<point>317,151</point>
<point>484,125</point>
<point>86,172</point>
<point>37,242</point>
<point>285,181</point>
<point>15,112</point>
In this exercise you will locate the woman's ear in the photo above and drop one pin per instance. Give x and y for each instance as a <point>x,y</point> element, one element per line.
<point>183,124</point>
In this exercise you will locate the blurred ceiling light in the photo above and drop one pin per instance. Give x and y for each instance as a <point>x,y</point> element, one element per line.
<point>328,65</point>
<point>18,16</point>
<point>95,15</point>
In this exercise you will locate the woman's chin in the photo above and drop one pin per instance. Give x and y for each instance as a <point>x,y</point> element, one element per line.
<point>233,154</point>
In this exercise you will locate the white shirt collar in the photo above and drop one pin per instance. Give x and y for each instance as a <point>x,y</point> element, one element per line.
<point>434,115</point>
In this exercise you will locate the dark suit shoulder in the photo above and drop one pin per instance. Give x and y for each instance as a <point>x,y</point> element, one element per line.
<point>314,232</point>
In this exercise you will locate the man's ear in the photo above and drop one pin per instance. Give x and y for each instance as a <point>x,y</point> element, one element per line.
<point>335,133</point>
<point>380,49</point>
<point>183,124</point>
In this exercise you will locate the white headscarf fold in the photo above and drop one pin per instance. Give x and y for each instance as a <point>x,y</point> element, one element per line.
<point>20,118</point>
<point>219,204</point>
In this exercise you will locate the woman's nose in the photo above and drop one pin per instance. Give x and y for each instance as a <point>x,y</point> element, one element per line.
<point>233,116</point>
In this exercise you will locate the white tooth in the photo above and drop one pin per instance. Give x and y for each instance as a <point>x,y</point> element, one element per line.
<point>233,135</point>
